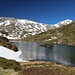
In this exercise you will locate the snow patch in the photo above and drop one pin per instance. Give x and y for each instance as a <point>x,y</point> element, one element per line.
<point>9,54</point>
<point>1,23</point>
<point>7,22</point>
<point>56,25</point>
<point>61,23</point>
<point>11,37</point>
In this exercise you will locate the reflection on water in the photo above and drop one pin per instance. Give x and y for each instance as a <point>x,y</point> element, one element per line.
<point>60,53</point>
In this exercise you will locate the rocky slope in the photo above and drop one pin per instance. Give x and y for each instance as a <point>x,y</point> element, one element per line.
<point>18,28</point>
<point>13,28</point>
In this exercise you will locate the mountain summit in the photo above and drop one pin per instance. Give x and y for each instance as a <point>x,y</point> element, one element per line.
<point>14,28</point>
<point>61,23</point>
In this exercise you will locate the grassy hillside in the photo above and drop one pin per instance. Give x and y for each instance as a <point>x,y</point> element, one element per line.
<point>5,42</point>
<point>64,35</point>
<point>9,64</point>
<point>7,71</point>
<point>9,67</point>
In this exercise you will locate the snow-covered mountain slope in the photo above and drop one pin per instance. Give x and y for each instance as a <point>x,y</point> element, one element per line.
<point>61,23</point>
<point>14,28</point>
<point>18,28</point>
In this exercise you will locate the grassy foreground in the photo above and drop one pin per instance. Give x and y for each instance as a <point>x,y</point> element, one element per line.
<point>36,68</point>
<point>7,72</point>
<point>45,68</point>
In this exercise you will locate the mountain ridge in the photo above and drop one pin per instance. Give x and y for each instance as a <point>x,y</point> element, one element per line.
<point>14,28</point>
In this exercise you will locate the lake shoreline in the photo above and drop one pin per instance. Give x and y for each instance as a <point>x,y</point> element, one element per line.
<point>42,42</point>
<point>40,62</point>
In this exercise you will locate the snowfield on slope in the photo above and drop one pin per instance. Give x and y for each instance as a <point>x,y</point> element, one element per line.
<point>9,54</point>
<point>14,28</point>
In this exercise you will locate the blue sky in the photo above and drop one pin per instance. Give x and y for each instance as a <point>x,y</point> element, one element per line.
<point>44,11</point>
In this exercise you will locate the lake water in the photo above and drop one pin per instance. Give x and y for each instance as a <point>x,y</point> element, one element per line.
<point>60,53</point>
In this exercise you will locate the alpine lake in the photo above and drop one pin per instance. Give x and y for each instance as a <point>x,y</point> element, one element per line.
<point>59,53</point>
